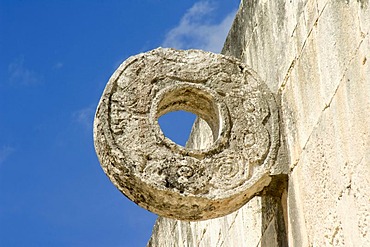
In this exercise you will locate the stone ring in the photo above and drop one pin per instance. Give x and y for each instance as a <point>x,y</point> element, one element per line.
<point>187,183</point>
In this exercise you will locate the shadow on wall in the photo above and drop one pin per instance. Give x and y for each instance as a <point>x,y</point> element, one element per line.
<point>274,213</point>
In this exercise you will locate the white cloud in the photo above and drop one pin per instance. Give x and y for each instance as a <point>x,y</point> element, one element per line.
<point>58,65</point>
<point>84,117</point>
<point>196,31</point>
<point>19,74</point>
<point>5,152</point>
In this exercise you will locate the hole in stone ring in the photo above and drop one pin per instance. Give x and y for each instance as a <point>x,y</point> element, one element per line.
<point>177,125</point>
<point>194,99</point>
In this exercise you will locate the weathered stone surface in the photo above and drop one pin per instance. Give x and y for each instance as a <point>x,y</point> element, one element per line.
<point>235,229</point>
<point>335,193</point>
<point>315,56</point>
<point>178,182</point>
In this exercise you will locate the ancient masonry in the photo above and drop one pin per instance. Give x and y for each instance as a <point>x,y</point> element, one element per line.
<point>280,153</point>
<point>177,182</point>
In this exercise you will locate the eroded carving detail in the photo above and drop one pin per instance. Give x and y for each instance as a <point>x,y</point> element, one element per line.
<point>164,177</point>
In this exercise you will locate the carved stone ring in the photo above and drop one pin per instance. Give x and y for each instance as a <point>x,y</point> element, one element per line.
<point>181,182</point>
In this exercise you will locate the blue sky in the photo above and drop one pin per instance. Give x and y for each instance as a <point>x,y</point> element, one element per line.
<point>55,59</point>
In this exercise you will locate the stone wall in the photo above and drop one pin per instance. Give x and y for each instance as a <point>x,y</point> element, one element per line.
<point>314,56</point>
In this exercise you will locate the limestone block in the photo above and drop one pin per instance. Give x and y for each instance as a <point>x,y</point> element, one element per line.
<point>261,37</point>
<point>318,71</point>
<point>329,201</point>
<point>179,182</point>
<point>241,228</point>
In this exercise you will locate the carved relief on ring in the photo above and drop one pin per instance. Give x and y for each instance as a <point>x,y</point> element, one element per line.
<point>182,182</point>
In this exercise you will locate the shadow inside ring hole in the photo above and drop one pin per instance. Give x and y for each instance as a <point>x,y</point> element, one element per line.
<point>198,101</point>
